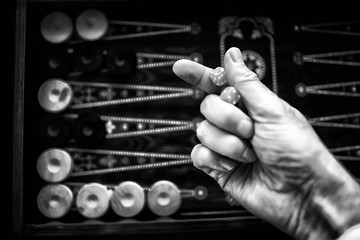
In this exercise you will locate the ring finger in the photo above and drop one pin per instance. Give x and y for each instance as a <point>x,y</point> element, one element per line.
<point>224,142</point>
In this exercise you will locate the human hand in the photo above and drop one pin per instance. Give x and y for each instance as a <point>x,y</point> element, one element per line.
<point>270,159</point>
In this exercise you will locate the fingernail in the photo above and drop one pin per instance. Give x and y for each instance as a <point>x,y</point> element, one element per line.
<point>230,95</point>
<point>235,55</point>
<point>245,128</point>
<point>227,164</point>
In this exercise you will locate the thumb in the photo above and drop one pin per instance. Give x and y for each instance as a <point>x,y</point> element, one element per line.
<point>258,99</point>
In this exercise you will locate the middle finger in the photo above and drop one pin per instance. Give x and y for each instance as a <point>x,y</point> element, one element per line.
<point>227,116</point>
<point>224,143</point>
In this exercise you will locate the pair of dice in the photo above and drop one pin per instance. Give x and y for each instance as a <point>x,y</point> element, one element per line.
<point>229,94</point>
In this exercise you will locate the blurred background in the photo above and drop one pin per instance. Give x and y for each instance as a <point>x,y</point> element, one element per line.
<point>101,129</point>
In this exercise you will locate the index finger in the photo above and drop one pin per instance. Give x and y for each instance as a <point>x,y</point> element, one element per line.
<point>196,74</point>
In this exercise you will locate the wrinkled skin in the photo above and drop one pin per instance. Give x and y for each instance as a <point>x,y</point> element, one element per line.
<point>267,156</point>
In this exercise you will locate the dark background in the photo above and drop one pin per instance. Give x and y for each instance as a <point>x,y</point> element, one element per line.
<point>286,12</point>
<point>7,99</point>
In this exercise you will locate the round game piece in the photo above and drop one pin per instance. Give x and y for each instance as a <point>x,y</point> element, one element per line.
<point>298,58</point>
<point>88,59</point>
<point>54,165</point>
<point>201,193</point>
<point>164,198</point>
<point>128,199</point>
<point>91,25</point>
<point>218,76</point>
<point>196,122</point>
<point>55,200</point>
<point>92,200</point>
<point>55,62</point>
<point>89,129</point>
<point>54,130</point>
<point>55,95</point>
<point>230,95</point>
<point>195,28</point>
<point>197,93</point>
<point>255,62</point>
<point>56,27</point>
<point>121,61</point>
<point>300,90</point>
<point>197,57</point>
